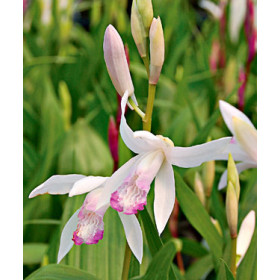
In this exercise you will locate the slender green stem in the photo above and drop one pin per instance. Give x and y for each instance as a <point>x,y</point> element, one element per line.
<point>126,262</point>
<point>233,256</point>
<point>147,64</point>
<point>136,108</point>
<point>147,121</point>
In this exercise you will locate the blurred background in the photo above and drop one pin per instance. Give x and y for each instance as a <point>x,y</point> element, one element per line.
<point>68,99</point>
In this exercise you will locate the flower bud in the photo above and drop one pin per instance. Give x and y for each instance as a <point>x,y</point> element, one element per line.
<point>208,175</point>
<point>245,235</point>
<point>138,30</point>
<point>232,175</point>
<point>156,50</point>
<point>198,188</point>
<point>113,139</point>
<point>232,209</point>
<point>116,62</point>
<point>145,8</point>
<point>217,225</point>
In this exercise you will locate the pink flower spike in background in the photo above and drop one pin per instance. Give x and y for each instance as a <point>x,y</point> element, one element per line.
<point>245,139</point>
<point>128,187</point>
<point>86,224</point>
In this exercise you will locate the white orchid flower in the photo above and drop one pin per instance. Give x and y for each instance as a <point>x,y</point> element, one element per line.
<point>127,188</point>
<point>245,139</point>
<point>245,235</point>
<point>86,224</point>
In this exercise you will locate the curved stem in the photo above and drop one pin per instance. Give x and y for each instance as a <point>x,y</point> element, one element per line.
<point>147,121</point>
<point>136,108</point>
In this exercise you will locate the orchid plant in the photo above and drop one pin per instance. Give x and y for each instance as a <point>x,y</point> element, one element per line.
<point>145,188</point>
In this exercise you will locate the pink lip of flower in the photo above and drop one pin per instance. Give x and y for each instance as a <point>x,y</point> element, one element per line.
<point>245,136</point>
<point>128,187</point>
<point>86,224</point>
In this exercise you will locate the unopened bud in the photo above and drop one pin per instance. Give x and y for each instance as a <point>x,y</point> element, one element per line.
<point>156,50</point>
<point>145,8</point>
<point>198,188</point>
<point>232,209</point>
<point>116,62</point>
<point>232,175</point>
<point>245,235</point>
<point>113,136</point>
<point>217,225</point>
<point>138,30</point>
<point>214,56</point>
<point>230,75</point>
<point>209,175</point>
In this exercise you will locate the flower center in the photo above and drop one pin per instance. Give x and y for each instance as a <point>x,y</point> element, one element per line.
<point>166,140</point>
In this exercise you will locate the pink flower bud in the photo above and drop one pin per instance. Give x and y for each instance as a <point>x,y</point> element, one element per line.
<point>156,50</point>
<point>113,139</point>
<point>25,3</point>
<point>116,62</point>
<point>214,56</point>
<point>250,30</point>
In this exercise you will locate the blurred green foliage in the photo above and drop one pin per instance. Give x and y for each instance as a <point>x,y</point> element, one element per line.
<point>68,99</point>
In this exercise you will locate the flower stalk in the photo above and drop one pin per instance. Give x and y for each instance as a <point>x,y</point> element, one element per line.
<point>147,121</point>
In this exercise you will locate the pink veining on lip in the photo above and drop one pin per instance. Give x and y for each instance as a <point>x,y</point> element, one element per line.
<point>131,196</point>
<point>90,227</point>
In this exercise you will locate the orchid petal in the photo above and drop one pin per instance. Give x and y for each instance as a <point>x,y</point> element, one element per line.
<point>87,184</point>
<point>228,112</point>
<point>213,150</point>
<point>57,184</point>
<point>246,135</point>
<point>240,167</point>
<point>212,8</point>
<point>135,144</point>
<point>115,181</point>
<point>164,195</point>
<point>237,15</point>
<point>245,235</point>
<point>133,234</point>
<point>66,242</point>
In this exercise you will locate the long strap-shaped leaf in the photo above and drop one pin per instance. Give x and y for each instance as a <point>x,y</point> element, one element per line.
<point>197,216</point>
<point>60,272</point>
<point>153,239</point>
<point>160,266</point>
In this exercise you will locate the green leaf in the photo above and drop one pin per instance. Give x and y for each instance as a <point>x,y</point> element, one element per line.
<point>229,275</point>
<point>33,252</point>
<point>84,152</point>
<point>200,268</point>
<point>160,266</point>
<point>151,233</point>
<point>197,216</point>
<point>193,248</point>
<point>60,272</point>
